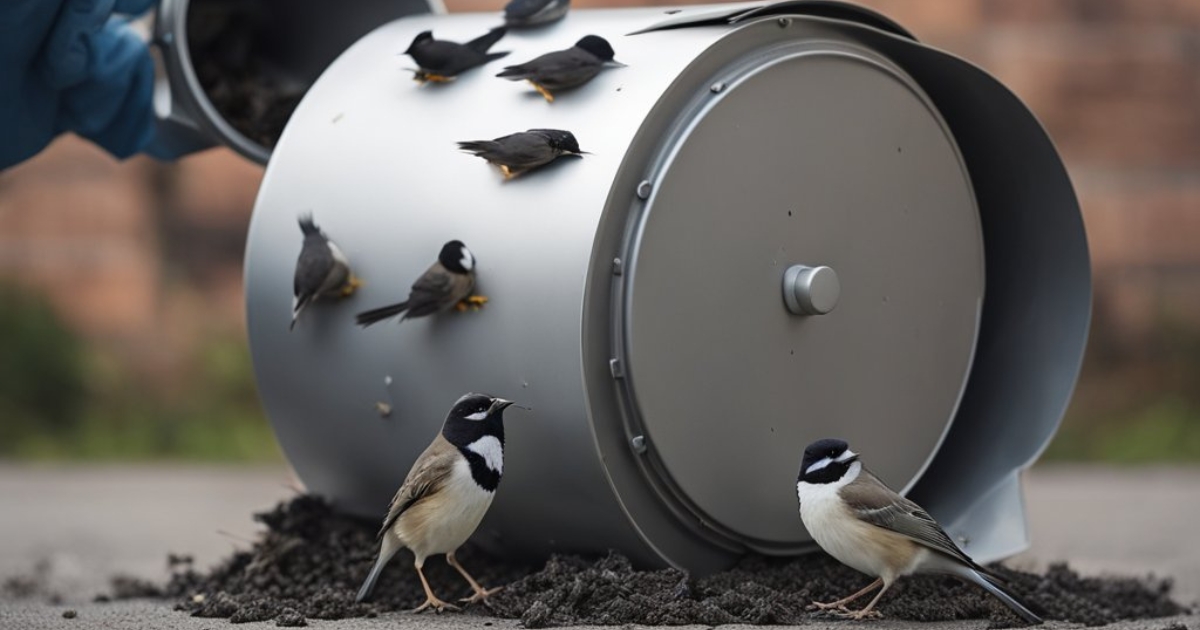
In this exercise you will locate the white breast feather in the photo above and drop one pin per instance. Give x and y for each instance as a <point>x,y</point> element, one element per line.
<point>462,506</point>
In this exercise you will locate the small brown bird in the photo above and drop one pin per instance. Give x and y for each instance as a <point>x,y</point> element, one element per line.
<point>446,284</point>
<point>446,494</point>
<point>522,152</point>
<point>564,69</point>
<point>865,525</point>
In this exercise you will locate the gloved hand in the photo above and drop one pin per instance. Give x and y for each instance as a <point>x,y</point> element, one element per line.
<point>66,66</point>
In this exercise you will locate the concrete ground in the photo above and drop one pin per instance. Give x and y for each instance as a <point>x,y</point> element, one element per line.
<point>84,524</point>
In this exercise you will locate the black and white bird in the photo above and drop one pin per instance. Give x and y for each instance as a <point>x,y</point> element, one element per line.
<point>522,152</point>
<point>529,13</point>
<point>564,69</point>
<point>440,60</point>
<point>446,494</point>
<point>867,526</point>
<point>447,284</point>
<point>321,270</point>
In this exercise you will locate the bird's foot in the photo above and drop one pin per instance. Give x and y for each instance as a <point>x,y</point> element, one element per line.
<point>423,77</point>
<point>508,172</point>
<point>824,606</point>
<point>351,286</point>
<point>846,613</point>
<point>481,595</point>
<point>475,302</point>
<point>436,604</point>
<point>543,91</point>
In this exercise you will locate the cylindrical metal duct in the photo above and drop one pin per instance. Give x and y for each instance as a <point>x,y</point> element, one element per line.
<point>795,222</point>
<point>288,43</point>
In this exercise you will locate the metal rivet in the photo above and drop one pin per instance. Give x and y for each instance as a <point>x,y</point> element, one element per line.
<point>717,87</point>
<point>614,366</point>
<point>618,267</point>
<point>784,22</point>
<point>811,290</point>
<point>643,189</point>
<point>639,444</point>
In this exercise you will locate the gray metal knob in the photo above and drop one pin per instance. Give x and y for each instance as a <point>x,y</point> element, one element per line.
<point>811,290</point>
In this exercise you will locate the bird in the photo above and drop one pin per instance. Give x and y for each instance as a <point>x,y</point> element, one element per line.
<point>867,526</point>
<point>321,270</point>
<point>527,13</point>
<point>440,61</point>
<point>446,284</point>
<point>446,494</point>
<point>564,69</point>
<point>521,152</point>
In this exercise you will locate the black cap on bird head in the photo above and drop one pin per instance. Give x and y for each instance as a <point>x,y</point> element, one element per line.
<point>456,257</point>
<point>421,38</point>
<point>559,140</point>
<point>825,461</point>
<point>474,416</point>
<point>598,46</point>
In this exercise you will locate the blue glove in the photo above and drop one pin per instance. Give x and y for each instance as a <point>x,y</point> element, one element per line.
<point>66,66</point>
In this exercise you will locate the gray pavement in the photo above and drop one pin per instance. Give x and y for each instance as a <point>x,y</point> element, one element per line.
<point>88,523</point>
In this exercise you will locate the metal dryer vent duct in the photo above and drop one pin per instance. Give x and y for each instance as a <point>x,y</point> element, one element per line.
<point>796,222</point>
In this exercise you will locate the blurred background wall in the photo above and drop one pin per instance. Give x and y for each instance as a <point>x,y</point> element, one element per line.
<point>121,312</point>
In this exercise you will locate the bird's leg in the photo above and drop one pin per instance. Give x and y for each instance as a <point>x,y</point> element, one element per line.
<point>431,600</point>
<point>869,611</point>
<point>480,592</point>
<point>543,91</point>
<point>352,285</point>
<point>841,603</point>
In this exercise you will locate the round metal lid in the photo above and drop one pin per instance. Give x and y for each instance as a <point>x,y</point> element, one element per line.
<point>828,158</point>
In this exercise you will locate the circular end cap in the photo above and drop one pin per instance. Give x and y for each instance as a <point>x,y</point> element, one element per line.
<point>811,290</point>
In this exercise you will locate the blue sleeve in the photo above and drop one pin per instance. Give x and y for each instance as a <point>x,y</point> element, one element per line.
<point>68,65</point>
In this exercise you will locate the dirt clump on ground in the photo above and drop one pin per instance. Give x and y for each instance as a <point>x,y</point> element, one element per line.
<point>311,561</point>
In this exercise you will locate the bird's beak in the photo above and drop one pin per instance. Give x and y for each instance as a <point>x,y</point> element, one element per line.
<point>500,404</point>
<point>847,456</point>
<point>613,63</point>
<point>583,153</point>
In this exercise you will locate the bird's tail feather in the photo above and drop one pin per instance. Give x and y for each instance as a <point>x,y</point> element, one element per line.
<point>477,146</point>
<point>494,56</point>
<point>298,306</point>
<point>385,554</point>
<point>513,73</point>
<point>366,318</point>
<point>994,585</point>
<point>484,42</point>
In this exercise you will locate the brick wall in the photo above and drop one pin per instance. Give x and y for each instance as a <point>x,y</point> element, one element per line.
<point>125,250</point>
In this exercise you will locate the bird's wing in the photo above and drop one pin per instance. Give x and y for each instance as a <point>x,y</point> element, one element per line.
<point>521,151</point>
<point>431,291</point>
<point>313,266</point>
<point>873,502</point>
<point>423,481</point>
<point>561,68</point>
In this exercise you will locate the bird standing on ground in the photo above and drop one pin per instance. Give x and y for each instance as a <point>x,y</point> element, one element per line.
<point>446,494</point>
<point>529,13</point>
<point>520,152</point>
<point>321,270</point>
<point>441,61</point>
<point>867,526</point>
<point>446,284</point>
<point>564,69</point>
